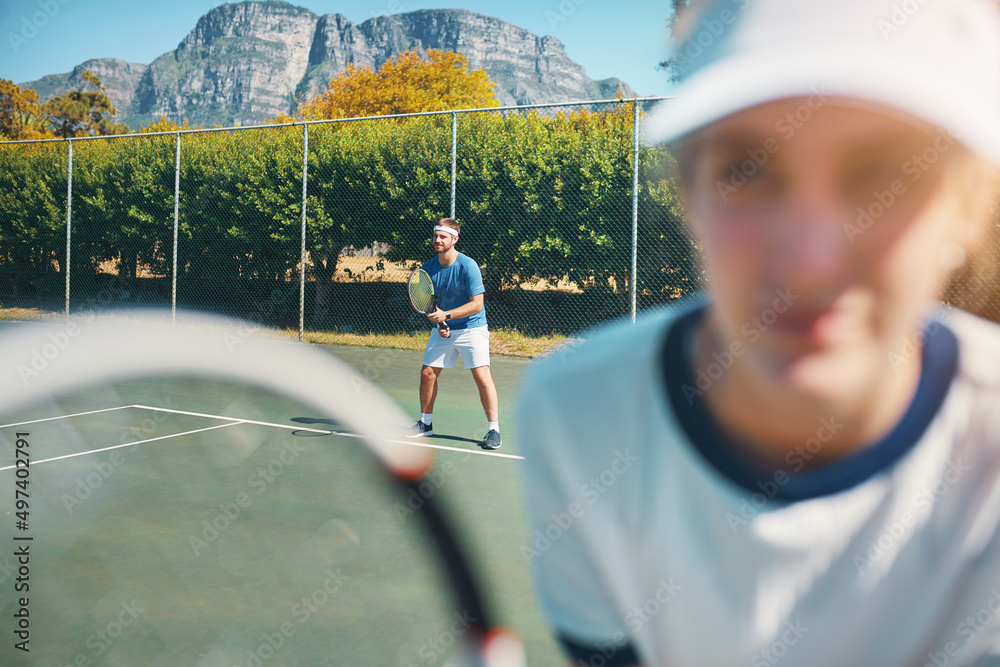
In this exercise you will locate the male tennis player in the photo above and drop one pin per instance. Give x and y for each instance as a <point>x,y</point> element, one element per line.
<point>800,468</point>
<point>458,285</point>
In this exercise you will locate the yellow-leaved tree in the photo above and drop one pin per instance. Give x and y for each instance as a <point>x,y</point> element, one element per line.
<point>409,83</point>
<point>21,116</point>
<point>164,124</point>
<point>79,113</point>
<point>412,82</point>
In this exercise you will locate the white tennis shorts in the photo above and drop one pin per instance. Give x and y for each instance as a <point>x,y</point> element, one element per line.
<point>473,344</point>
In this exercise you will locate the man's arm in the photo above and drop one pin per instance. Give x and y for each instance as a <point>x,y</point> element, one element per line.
<point>474,306</point>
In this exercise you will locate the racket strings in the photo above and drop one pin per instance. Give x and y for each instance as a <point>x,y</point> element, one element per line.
<point>421,291</point>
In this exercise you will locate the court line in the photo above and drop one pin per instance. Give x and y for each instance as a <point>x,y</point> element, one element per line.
<point>235,419</point>
<point>127,444</point>
<point>78,414</point>
<point>409,443</point>
<point>415,443</point>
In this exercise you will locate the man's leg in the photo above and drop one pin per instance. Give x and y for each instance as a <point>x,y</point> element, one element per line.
<point>440,353</point>
<point>428,388</point>
<point>428,392</point>
<point>474,345</point>
<point>487,392</point>
<point>488,396</point>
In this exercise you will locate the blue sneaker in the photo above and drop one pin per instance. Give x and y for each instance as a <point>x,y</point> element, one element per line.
<point>419,429</point>
<point>492,440</point>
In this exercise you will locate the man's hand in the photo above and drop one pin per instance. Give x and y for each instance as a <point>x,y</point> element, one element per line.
<point>437,317</point>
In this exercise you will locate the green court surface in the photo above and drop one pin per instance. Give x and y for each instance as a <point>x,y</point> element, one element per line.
<point>182,522</point>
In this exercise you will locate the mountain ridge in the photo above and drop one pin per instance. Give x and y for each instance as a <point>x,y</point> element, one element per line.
<point>248,62</point>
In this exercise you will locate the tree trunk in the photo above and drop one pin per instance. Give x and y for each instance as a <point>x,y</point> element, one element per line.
<point>324,266</point>
<point>131,265</point>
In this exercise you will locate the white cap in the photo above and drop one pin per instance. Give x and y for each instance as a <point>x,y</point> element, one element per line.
<point>936,60</point>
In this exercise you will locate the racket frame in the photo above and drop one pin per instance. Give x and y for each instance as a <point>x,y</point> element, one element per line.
<point>131,351</point>
<point>442,326</point>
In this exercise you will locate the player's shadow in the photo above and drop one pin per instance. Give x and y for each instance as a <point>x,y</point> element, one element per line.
<point>314,420</point>
<point>456,438</point>
<point>336,426</point>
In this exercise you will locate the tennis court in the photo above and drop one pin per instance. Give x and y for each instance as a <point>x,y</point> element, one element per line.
<point>181,522</point>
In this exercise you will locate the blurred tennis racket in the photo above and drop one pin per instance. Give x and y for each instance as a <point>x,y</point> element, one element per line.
<point>180,508</point>
<point>420,289</point>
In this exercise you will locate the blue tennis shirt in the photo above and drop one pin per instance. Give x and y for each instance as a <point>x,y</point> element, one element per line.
<point>455,285</point>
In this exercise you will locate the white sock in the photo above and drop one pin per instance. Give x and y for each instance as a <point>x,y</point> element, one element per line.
<point>425,417</point>
<point>493,426</point>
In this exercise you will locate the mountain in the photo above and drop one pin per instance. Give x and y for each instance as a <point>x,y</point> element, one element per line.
<point>247,62</point>
<point>119,77</point>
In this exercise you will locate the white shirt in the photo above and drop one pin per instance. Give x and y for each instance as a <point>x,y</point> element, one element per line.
<point>651,541</point>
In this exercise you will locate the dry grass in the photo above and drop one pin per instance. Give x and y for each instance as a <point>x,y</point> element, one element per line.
<point>503,342</point>
<point>112,266</point>
<point>26,314</point>
<point>367,269</point>
<point>352,269</point>
<point>512,343</point>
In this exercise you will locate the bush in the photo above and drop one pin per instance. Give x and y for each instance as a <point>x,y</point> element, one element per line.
<point>541,198</point>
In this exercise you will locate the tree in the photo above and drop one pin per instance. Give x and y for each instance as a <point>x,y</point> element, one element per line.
<point>32,221</point>
<point>164,124</point>
<point>20,115</point>
<point>361,188</point>
<point>79,114</point>
<point>409,83</point>
<point>673,65</point>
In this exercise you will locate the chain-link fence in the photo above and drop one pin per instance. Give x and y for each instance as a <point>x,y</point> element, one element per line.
<point>570,216</point>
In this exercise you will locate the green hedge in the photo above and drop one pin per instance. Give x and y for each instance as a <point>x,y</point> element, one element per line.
<point>540,198</point>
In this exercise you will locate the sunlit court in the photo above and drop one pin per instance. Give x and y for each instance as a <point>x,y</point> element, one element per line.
<point>185,520</point>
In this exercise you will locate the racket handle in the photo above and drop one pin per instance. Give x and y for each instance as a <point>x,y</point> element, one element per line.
<point>442,326</point>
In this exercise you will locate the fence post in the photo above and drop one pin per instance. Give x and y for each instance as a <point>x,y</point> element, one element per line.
<point>302,252</point>
<point>635,200</point>
<point>177,194</point>
<point>454,155</point>
<point>69,221</point>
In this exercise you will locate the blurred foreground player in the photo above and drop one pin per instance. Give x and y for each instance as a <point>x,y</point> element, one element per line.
<point>800,466</point>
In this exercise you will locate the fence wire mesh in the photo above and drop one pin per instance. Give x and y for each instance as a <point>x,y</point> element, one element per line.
<point>33,198</point>
<point>546,197</point>
<point>556,203</point>
<point>121,234</point>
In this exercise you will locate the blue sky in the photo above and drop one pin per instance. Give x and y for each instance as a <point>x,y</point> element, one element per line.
<point>623,38</point>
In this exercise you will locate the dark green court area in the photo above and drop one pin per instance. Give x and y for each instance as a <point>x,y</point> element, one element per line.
<point>190,522</point>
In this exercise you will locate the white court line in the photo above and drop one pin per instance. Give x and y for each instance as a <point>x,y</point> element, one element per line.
<point>235,419</point>
<point>127,444</point>
<point>78,414</point>
<point>416,443</point>
<point>410,443</point>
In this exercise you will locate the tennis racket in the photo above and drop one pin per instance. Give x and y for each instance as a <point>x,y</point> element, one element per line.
<point>204,493</point>
<point>420,289</point>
